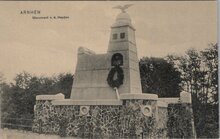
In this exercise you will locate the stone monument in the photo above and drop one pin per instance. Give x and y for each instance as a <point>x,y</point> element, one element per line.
<point>92,69</point>
<point>106,98</point>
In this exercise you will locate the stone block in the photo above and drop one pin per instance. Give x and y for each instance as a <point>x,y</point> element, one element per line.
<point>132,47</point>
<point>162,104</point>
<point>117,47</point>
<point>162,119</point>
<point>134,65</point>
<point>93,93</point>
<point>83,79</point>
<point>135,90</point>
<point>82,61</point>
<point>185,97</point>
<point>87,102</point>
<point>139,96</point>
<point>99,78</point>
<point>92,62</point>
<point>135,80</point>
<point>50,97</point>
<point>133,56</point>
<point>170,100</point>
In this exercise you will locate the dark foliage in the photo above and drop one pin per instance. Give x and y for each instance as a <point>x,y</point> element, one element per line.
<point>159,77</point>
<point>18,99</point>
<point>199,73</point>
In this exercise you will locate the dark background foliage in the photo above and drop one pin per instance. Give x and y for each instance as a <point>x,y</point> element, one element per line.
<point>159,77</point>
<point>195,72</point>
<point>18,98</point>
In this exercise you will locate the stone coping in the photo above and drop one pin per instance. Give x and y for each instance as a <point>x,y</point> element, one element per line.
<point>86,102</point>
<point>50,97</point>
<point>185,97</point>
<point>162,104</point>
<point>139,96</point>
<point>170,100</point>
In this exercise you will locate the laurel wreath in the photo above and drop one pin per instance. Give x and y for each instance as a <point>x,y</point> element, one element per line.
<point>120,77</point>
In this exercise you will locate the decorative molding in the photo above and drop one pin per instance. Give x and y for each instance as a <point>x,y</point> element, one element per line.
<point>86,102</point>
<point>139,96</point>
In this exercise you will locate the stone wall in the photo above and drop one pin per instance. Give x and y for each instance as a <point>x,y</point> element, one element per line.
<point>130,117</point>
<point>180,121</point>
<point>108,121</point>
<point>162,121</point>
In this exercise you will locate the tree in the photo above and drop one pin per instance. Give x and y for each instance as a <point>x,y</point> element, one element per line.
<point>199,74</point>
<point>210,60</point>
<point>19,97</point>
<point>64,84</point>
<point>210,93</point>
<point>159,77</point>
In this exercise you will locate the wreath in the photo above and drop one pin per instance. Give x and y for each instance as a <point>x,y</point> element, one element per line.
<point>120,77</point>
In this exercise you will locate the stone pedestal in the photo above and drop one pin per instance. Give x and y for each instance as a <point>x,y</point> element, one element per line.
<point>131,116</point>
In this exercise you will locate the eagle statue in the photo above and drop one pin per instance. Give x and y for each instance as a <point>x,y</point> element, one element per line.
<point>123,8</point>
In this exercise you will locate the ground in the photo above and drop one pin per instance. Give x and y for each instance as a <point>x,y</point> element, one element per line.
<point>20,134</point>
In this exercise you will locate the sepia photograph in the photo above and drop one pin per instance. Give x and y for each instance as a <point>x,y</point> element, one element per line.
<point>109,69</point>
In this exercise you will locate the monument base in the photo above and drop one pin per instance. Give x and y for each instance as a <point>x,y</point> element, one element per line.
<point>132,116</point>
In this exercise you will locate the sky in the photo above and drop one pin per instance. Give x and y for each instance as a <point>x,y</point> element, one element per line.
<point>49,46</point>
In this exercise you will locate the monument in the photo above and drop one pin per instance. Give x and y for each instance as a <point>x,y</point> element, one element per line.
<point>107,99</point>
<point>92,69</point>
